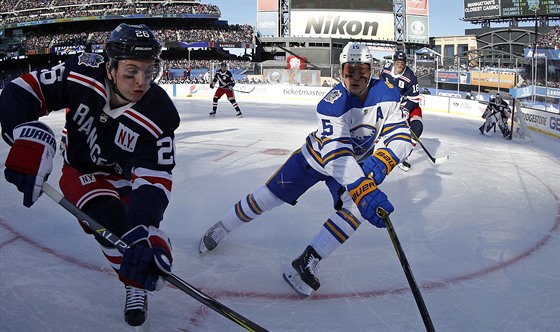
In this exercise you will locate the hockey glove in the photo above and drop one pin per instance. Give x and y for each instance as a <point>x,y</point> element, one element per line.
<point>368,199</point>
<point>380,164</point>
<point>30,160</point>
<point>147,258</point>
<point>212,85</point>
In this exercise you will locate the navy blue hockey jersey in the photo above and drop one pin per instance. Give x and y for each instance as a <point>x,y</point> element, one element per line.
<point>224,79</point>
<point>135,141</point>
<point>406,83</point>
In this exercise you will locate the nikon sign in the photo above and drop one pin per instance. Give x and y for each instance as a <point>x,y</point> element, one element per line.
<point>342,24</point>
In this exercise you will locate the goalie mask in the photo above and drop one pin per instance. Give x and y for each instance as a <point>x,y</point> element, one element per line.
<point>355,59</point>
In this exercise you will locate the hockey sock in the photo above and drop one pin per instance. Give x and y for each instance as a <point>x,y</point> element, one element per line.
<point>335,231</point>
<point>250,207</point>
<point>108,211</point>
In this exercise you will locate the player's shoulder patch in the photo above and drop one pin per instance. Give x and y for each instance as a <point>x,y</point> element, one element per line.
<point>332,96</point>
<point>90,59</point>
<point>390,85</point>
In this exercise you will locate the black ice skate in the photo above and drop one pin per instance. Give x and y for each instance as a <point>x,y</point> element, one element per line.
<point>404,165</point>
<point>212,114</point>
<point>212,237</point>
<point>136,306</point>
<point>481,129</point>
<point>239,114</point>
<point>301,277</point>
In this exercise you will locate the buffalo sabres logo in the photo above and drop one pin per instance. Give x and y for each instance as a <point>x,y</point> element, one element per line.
<point>390,85</point>
<point>90,59</point>
<point>363,138</point>
<point>332,96</point>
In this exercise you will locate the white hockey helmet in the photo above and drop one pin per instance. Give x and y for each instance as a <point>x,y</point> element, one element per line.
<point>355,53</point>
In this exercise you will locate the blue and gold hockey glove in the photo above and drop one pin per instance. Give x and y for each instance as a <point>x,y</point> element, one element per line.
<point>381,163</point>
<point>368,198</point>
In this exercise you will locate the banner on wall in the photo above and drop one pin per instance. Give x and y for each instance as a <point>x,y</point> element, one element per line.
<point>296,62</point>
<point>417,7</point>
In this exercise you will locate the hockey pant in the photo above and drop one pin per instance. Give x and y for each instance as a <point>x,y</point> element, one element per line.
<point>230,96</point>
<point>289,182</point>
<point>104,198</point>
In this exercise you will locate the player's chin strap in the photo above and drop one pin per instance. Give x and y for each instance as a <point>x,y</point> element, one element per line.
<point>407,271</point>
<point>116,90</point>
<point>171,278</point>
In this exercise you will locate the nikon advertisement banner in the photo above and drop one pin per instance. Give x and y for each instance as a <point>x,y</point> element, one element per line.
<point>343,24</point>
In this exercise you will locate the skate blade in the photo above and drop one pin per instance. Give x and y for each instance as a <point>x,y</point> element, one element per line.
<point>294,280</point>
<point>202,247</point>
<point>403,167</point>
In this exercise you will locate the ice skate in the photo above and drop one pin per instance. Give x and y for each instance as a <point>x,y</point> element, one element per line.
<point>239,114</point>
<point>212,114</point>
<point>481,129</point>
<point>136,306</point>
<point>212,237</point>
<point>404,165</point>
<point>301,275</point>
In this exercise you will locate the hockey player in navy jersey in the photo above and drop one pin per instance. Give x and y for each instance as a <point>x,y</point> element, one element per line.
<point>401,76</point>
<point>225,81</point>
<point>119,151</point>
<point>355,115</point>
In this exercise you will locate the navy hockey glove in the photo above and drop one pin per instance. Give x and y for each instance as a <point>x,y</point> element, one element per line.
<point>30,160</point>
<point>147,258</point>
<point>368,199</point>
<point>212,85</point>
<point>380,164</point>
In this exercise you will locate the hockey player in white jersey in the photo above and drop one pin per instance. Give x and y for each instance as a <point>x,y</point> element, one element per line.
<point>496,113</point>
<point>355,115</point>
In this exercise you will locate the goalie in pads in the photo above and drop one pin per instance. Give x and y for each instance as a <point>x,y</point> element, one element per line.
<point>353,116</point>
<point>496,113</point>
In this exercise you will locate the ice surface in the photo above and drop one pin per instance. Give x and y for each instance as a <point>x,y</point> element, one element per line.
<point>480,233</point>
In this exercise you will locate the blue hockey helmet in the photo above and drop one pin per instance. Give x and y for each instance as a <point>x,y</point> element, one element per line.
<point>132,42</point>
<point>399,56</point>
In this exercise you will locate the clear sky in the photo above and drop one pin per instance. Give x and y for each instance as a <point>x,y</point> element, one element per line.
<point>445,15</point>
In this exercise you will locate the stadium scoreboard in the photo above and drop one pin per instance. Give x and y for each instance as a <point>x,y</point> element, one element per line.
<point>475,9</point>
<point>528,7</point>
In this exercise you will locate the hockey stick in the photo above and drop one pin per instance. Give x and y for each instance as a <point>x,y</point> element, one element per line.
<point>439,160</point>
<point>244,89</point>
<point>172,278</point>
<point>407,271</point>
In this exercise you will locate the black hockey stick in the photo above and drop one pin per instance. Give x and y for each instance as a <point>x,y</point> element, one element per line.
<point>407,271</point>
<point>439,160</point>
<point>244,89</point>
<point>172,278</point>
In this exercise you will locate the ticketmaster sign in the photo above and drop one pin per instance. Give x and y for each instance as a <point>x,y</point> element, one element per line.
<point>343,24</point>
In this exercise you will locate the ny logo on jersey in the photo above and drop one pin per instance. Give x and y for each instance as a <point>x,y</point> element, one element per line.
<point>87,179</point>
<point>126,138</point>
